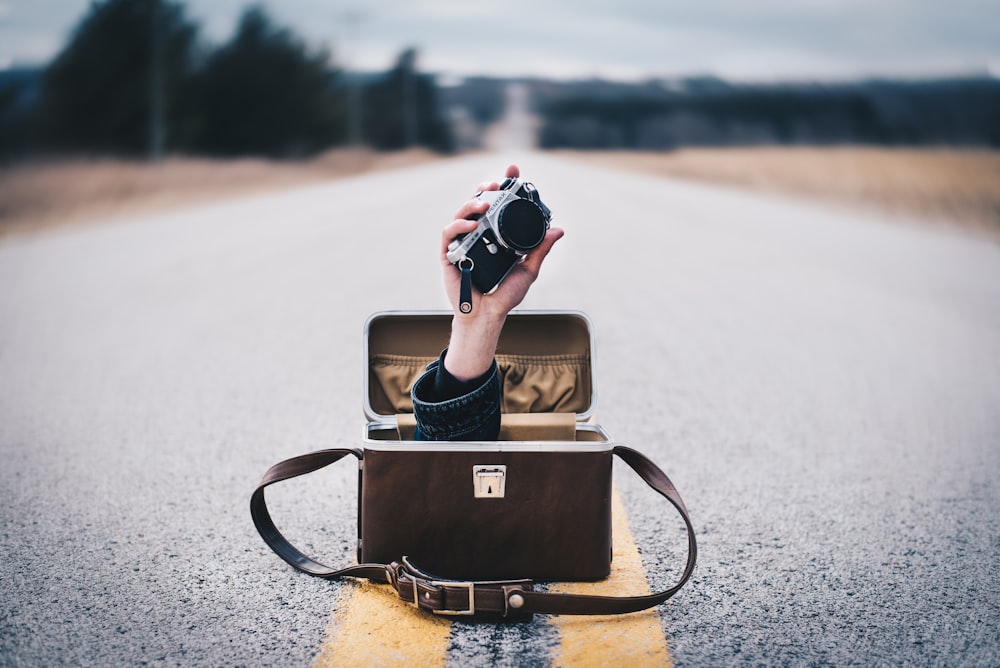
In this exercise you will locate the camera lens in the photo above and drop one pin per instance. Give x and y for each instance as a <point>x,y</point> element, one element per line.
<point>521,225</point>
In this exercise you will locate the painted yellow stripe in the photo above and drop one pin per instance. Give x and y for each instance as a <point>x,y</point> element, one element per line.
<point>619,640</point>
<point>370,626</point>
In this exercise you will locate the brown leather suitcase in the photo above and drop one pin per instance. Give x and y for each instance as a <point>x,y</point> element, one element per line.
<point>535,504</point>
<point>462,528</point>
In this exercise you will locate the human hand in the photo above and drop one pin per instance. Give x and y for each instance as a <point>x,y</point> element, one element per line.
<point>514,287</point>
<point>475,334</point>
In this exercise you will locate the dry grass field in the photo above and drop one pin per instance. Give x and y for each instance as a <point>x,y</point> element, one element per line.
<point>38,195</point>
<point>953,187</point>
<point>939,186</point>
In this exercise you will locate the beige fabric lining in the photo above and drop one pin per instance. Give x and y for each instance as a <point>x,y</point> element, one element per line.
<point>531,383</point>
<point>545,383</point>
<point>396,375</point>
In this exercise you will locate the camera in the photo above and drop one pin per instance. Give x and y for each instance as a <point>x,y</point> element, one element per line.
<point>514,224</point>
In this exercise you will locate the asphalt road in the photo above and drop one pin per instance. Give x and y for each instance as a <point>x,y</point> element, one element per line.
<point>823,387</point>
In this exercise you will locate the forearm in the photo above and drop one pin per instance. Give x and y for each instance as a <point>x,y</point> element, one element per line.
<point>461,400</point>
<point>473,344</point>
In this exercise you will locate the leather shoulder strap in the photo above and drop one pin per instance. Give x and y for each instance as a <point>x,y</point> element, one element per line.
<point>291,468</point>
<point>510,600</point>
<point>574,604</point>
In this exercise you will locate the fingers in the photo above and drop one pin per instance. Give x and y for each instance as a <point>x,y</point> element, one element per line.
<point>533,262</point>
<point>472,208</point>
<point>512,172</point>
<point>451,231</point>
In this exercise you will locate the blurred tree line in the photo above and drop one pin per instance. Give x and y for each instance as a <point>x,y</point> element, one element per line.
<point>705,111</point>
<point>136,79</point>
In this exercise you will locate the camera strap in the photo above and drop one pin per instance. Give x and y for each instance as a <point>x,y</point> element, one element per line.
<point>465,266</point>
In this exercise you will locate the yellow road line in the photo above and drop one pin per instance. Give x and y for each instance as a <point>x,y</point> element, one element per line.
<point>370,626</point>
<point>623,640</point>
<point>375,628</point>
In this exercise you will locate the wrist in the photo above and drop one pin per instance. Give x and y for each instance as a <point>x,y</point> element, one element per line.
<point>473,344</point>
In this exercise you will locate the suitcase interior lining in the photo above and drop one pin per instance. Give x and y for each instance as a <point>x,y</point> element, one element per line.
<point>544,361</point>
<point>545,366</point>
<point>531,383</point>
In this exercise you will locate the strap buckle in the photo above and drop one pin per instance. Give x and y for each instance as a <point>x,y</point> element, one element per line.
<point>471,586</point>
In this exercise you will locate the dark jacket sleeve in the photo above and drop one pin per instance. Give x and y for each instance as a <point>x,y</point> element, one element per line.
<point>448,410</point>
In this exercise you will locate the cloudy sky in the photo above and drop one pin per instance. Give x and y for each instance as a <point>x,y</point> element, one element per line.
<point>626,39</point>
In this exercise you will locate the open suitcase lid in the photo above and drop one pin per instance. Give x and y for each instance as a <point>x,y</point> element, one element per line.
<point>546,360</point>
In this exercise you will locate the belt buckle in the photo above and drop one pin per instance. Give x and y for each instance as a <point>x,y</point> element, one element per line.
<point>472,598</point>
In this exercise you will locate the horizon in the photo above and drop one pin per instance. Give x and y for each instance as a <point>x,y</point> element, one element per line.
<point>450,79</point>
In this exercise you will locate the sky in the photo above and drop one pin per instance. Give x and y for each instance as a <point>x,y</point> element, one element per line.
<point>751,40</point>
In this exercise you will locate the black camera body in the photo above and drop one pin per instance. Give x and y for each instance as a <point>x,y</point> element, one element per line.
<point>515,223</point>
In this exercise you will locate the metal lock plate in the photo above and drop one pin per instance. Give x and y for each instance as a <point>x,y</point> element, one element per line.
<point>489,481</point>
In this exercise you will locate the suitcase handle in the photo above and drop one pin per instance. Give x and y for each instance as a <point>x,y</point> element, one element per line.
<point>506,600</point>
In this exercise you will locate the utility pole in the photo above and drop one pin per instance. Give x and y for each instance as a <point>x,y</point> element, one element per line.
<point>157,93</point>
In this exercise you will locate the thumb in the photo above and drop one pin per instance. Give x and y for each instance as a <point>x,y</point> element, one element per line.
<point>534,260</point>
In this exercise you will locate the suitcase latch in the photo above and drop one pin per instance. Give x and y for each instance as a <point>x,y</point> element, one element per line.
<point>489,481</point>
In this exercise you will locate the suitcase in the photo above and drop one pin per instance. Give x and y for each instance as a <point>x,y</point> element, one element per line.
<point>465,527</point>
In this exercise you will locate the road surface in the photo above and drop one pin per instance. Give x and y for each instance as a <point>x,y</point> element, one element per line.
<point>823,387</point>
